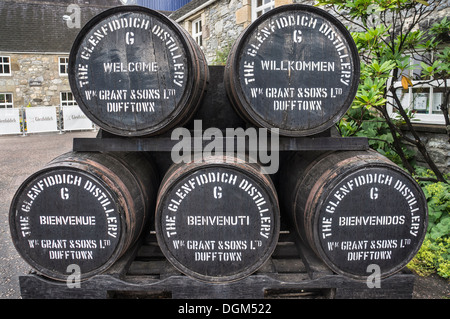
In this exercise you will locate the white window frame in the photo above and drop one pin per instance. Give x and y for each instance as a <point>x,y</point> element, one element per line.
<point>409,98</point>
<point>63,61</point>
<point>197,35</point>
<point>263,8</point>
<point>2,65</point>
<point>66,101</point>
<point>7,105</point>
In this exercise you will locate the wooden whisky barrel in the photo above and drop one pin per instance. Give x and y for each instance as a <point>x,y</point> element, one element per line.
<point>295,68</point>
<point>217,220</point>
<point>83,209</point>
<point>135,72</point>
<point>354,209</point>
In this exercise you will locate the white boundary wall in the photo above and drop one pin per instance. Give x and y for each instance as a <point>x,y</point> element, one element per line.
<point>74,119</point>
<point>10,121</point>
<point>41,119</point>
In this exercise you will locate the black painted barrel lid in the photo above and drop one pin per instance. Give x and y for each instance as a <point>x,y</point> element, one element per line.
<point>371,220</point>
<point>63,216</point>
<point>217,222</point>
<point>295,68</point>
<point>133,71</point>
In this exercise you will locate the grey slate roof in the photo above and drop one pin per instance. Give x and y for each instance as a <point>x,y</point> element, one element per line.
<point>187,8</point>
<point>38,26</point>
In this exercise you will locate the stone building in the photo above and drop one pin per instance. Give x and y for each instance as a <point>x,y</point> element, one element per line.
<point>215,24</point>
<point>35,42</point>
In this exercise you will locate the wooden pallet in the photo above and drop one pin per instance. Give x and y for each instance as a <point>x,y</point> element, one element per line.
<point>293,272</point>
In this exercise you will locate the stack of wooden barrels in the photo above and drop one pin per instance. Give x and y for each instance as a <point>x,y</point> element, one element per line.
<point>294,72</point>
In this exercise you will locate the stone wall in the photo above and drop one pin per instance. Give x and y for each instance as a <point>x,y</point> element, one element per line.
<point>220,28</point>
<point>439,148</point>
<point>437,144</point>
<point>35,79</point>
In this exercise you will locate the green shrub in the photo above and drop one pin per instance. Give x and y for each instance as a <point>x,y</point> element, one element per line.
<point>222,54</point>
<point>434,255</point>
<point>368,123</point>
<point>438,198</point>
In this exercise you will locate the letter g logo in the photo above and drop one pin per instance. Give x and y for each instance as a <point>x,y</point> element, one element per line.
<point>373,193</point>
<point>297,36</point>
<point>217,192</point>
<point>64,193</point>
<point>129,38</point>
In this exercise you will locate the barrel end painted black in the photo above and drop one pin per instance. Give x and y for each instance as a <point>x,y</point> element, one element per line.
<point>358,211</point>
<point>159,73</point>
<point>82,211</point>
<point>295,68</point>
<point>217,221</point>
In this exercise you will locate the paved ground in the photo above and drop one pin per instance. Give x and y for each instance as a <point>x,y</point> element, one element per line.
<point>22,156</point>
<point>19,158</point>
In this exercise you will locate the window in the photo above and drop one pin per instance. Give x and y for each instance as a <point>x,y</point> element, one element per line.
<point>6,100</point>
<point>67,99</point>
<point>63,66</point>
<point>259,7</point>
<point>197,31</point>
<point>425,96</point>
<point>5,65</point>
<point>424,101</point>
